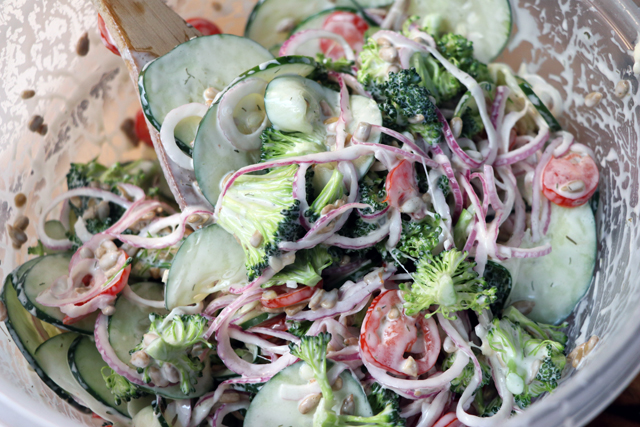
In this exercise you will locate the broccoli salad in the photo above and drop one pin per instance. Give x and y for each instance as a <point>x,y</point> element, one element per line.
<point>389,229</point>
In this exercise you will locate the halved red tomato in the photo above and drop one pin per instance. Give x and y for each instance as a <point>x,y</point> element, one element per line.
<point>206,27</point>
<point>570,180</point>
<point>287,297</point>
<point>106,38</point>
<point>348,25</point>
<point>389,337</point>
<point>401,184</point>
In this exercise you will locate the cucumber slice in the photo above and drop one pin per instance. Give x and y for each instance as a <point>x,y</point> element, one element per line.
<point>86,366</point>
<point>38,278</point>
<point>214,157</point>
<point>261,411</point>
<point>373,3</point>
<point>487,23</point>
<point>27,336</point>
<point>557,282</point>
<point>548,117</point>
<point>219,260</point>
<point>293,104</point>
<point>52,356</point>
<point>130,322</point>
<point>182,75</point>
<point>271,20</point>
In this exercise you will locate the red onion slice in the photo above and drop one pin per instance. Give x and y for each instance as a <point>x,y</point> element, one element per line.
<point>498,106</point>
<point>453,144</point>
<point>224,409</point>
<point>64,244</point>
<point>345,115</point>
<point>453,183</point>
<point>525,151</point>
<point>218,303</point>
<point>167,132</point>
<point>355,85</point>
<point>360,242</point>
<point>101,335</point>
<point>226,108</point>
<point>290,46</point>
<point>536,193</point>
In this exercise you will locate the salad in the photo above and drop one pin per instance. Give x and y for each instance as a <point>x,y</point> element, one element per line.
<point>390,230</point>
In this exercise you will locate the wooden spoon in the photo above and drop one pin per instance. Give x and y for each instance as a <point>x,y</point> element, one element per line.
<point>144,30</point>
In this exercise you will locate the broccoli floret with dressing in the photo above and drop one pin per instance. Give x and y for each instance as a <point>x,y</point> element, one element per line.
<point>260,211</point>
<point>448,281</point>
<point>332,191</point>
<point>121,388</point>
<point>532,366</point>
<point>373,69</point>
<point>417,240</point>
<point>306,269</point>
<point>177,342</point>
<point>380,398</point>
<point>459,51</point>
<point>277,144</point>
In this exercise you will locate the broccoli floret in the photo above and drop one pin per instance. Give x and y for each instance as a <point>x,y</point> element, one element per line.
<point>372,191</point>
<point>380,398</point>
<point>459,384</point>
<point>443,184</point>
<point>404,102</point>
<point>440,83</point>
<point>177,344</point>
<point>325,417</point>
<point>541,331</point>
<point>121,388</point>
<point>449,281</point>
<point>324,65</point>
<point>373,69</point>
<point>472,123</point>
<point>459,51</point>
<point>532,365</point>
<point>460,230</point>
<point>146,259</point>
<point>417,240</point>
<point>332,191</point>
<point>306,269</point>
<point>260,211</point>
<point>431,132</point>
<point>498,277</point>
<point>313,351</point>
<point>279,145</point>
<point>298,329</point>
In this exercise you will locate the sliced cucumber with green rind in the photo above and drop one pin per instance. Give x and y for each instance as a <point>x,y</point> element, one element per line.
<point>86,363</point>
<point>283,65</point>
<point>52,356</point>
<point>131,321</point>
<point>214,157</point>
<point>220,263</point>
<point>182,75</point>
<point>487,23</point>
<point>557,282</point>
<point>20,325</point>
<point>373,3</point>
<point>39,277</point>
<point>548,117</point>
<point>261,411</point>
<point>266,24</point>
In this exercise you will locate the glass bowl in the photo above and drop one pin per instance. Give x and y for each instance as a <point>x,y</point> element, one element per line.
<point>579,47</point>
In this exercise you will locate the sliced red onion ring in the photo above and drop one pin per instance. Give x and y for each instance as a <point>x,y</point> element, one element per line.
<point>400,137</point>
<point>64,244</point>
<point>241,366</point>
<point>431,412</point>
<point>348,297</point>
<point>170,239</point>
<point>567,140</point>
<point>226,108</point>
<point>132,216</point>
<point>507,124</point>
<point>237,333</point>
<point>204,405</point>
<point>218,303</point>
<point>274,333</point>
<point>453,144</point>
<point>137,299</point>
<point>525,151</point>
<point>227,408</point>
<point>167,131</point>
<point>536,193</point>
<point>101,334</point>
<point>360,242</point>
<point>134,191</point>
<point>321,229</point>
<point>355,85</point>
<point>251,295</point>
<point>64,214</point>
<point>453,183</point>
<point>498,106</point>
<point>290,46</point>
<point>81,231</point>
<point>345,115</point>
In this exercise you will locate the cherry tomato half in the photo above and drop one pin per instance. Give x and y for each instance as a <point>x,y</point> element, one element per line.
<point>287,297</point>
<point>141,129</point>
<point>387,334</point>
<point>348,25</point>
<point>401,184</point>
<point>206,27</point>
<point>106,38</point>
<point>448,420</point>
<point>571,180</point>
